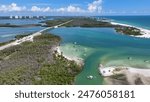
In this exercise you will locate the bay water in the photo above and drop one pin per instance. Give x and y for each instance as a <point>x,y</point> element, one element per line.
<point>97,45</point>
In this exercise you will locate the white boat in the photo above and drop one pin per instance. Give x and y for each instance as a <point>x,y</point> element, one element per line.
<point>90,77</point>
<point>55,26</point>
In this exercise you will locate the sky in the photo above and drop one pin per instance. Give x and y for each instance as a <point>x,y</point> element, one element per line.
<point>74,7</point>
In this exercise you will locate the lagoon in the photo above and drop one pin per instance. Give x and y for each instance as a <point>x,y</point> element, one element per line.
<point>105,46</point>
<point>95,46</point>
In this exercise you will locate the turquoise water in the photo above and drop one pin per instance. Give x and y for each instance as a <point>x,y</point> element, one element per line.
<point>96,45</point>
<point>139,21</point>
<point>19,21</point>
<point>106,47</point>
<point>7,33</point>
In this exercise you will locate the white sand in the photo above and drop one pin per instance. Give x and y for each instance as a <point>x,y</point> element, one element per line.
<point>133,75</point>
<point>109,71</point>
<point>24,39</point>
<point>145,32</point>
<point>79,61</point>
<point>144,72</point>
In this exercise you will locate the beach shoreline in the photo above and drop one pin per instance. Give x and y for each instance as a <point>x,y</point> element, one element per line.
<point>130,74</point>
<point>145,32</point>
<point>30,37</point>
<point>78,60</point>
<point>17,42</point>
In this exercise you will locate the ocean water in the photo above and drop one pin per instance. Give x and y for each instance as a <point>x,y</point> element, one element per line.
<point>20,21</point>
<point>8,33</point>
<point>139,21</point>
<point>105,46</point>
<point>97,45</point>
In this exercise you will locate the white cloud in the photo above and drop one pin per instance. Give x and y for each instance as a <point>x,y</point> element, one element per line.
<point>61,9</point>
<point>12,7</point>
<point>38,9</point>
<point>35,9</point>
<point>70,9</point>
<point>74,9</point>
<point>15,7</point>
<point>46,9</point>
<point>95,6</point>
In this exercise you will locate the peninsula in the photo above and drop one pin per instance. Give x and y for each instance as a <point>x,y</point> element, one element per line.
<point>34,59</point>
<point>37,59</point>
<point>93,22</point>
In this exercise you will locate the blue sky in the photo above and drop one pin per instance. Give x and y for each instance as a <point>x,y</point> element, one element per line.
<point>74,7</point>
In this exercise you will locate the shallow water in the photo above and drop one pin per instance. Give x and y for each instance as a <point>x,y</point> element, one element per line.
<point>7,33</point>
<point>95,46</point>
<point>19,21</point>
<point>139,21</point>
<point>104,46</point>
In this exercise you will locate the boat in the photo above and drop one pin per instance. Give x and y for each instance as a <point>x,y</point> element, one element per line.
<point>55,26</point>
<point>90,77</point>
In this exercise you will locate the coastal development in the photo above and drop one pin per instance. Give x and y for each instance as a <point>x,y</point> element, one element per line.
<point>40,57</point>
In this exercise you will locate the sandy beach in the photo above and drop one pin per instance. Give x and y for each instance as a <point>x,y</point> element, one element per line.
<point>131,75</point>
<point>79,61</point>
<point>145,32</point>
<point>24,39</point>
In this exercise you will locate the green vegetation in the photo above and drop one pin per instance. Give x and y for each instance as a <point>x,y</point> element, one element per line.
<point>91,22</point>
<point>4,43</point>
<point>88,22</point>
<point>16,37</point>
<point>14,26</point>
<point>50,23</point>
<point>128,30</point>
<point>13,76</point>
<point>8,25</point>
<point>119,76</point>
<point>36,63</point>
<point>80,22</point>
<point>21,36</point>
<point>60,72</point>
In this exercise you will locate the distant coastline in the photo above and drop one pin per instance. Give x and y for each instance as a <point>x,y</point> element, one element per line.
<point>15,26</point>
<point>93,22</point>
<point>85,23</point>
<point>90,22</point>
<point>145,32</point>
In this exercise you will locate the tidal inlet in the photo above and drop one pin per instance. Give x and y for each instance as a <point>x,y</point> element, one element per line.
<point>75,44</point>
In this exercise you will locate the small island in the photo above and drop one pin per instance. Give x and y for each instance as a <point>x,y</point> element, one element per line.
<point>92,22</point>
<point>35,59</point>
<point>128,30</point>
<point>87,22</point>
<point>15,26</point>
